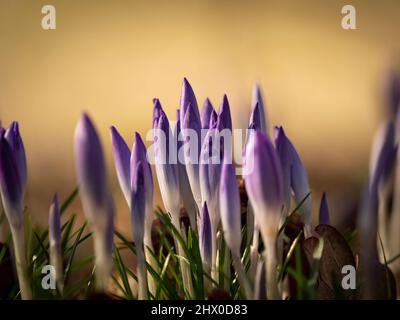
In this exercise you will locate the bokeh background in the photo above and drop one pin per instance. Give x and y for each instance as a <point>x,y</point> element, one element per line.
<point>325,85</point>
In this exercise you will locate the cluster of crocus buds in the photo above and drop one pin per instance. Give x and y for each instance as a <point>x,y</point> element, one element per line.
<point>197,177</point>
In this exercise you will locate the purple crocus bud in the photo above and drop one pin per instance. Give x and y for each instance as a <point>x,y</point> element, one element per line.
<point>188,98</point>
<point>294,176</point>
<point>210,172</point>
<point>138,208</point>
<point>258,99</point>
<point>191,132</point>
<point>206,112</point>
<point>90,167</point>
<point>139,154</point>
<point>231,221</point>
<point>138,202</point>
<point>96,199</point>
<point>167,172</point>
<point>224,114</point>
<point>264,180</point>
<point>122,156</point>
<point>230,208</point>
<point>205,235</point>
<point>264,187</point>
<point>184,185</point>
<point>55,242</point>
<point>213,120</point>
<point>54,222</point>
<point>324,210</point>
<point>14,139</point>
<point>12,190</point>
<point>12,194</point>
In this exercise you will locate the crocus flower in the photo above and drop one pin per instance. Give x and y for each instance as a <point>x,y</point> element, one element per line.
<point>188,98</point>
<point>55,242</point>
<point>11,184</point>
<point>122,156</point>
<point>191,132</point>
<point>257,99</point>
<point>224,114</point>
<point>324,210</point>
<point>231,221</point>
<point>205,235</point>
<point>167,172</point>
<point>168,179</point>
<point>206,112</point>
<point>96,198</point>
<point>139,154</point>
<point>264,187</point>
<point>12,189</point>
<point>14,139</point>
<point>138,208</point>
<point>294,177</point>
<point>210,172</point>
<point>184,186</point>
<point>124,159</point>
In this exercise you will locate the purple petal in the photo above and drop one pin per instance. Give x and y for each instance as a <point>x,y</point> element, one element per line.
<point>138,204</point>
<point>285,159</point>
<point>191,131</point>
<point>224,114</point>
<point>295,173</point>
<point>324,211</point>
<point>255,120</point>
<point>188,98</point>
<point>167,173</point>
<point>230,207</point>
<point>206,112</point>
<point>258,99</point>
<point>89,162</point>
<point>12,191</point>
<point>54,222</point>
<point>157,111</point>
<point>213,120</point>
<point>210,172</point>
<point>139,154</point>
<point>15,141</point>
<point>184,185</point>
<point>263,179</point>
<point>122,156</point>
<point>205,236</point>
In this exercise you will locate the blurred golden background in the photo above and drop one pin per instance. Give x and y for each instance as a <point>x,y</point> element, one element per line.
<point>324,84</point>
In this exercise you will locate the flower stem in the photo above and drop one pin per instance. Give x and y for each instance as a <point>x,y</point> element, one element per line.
<point>271,264</point>
<point>244,282</point>
<point>151,260</point>
<point>20,261</point>
<point>141,271</point>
